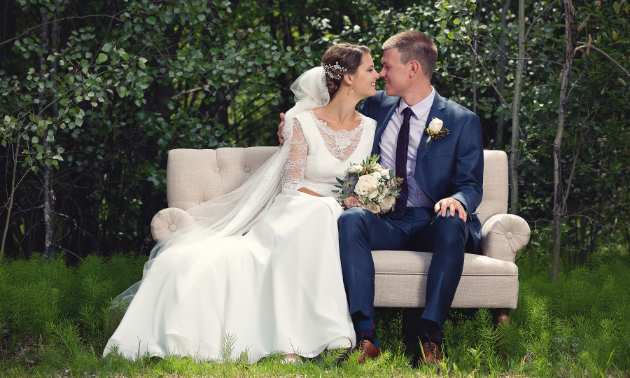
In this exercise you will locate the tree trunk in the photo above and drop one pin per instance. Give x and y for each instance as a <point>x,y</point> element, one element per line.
<point>515,109</point>
<point>48,231</point>
<point>6,225</point>
<point>474,78</point>
<point>498,143</point>
<point>55,44</point>
<point>558,193</point>
<point>583,224</point>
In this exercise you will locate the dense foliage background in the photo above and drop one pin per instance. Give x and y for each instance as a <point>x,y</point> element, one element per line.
<point>93,94</point>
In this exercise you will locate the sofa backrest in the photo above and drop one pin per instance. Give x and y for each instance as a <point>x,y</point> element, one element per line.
<point>196,176</point>
<point>495,185</point>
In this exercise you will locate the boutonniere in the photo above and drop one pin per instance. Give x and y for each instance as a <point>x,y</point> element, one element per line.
<point>435,131</point>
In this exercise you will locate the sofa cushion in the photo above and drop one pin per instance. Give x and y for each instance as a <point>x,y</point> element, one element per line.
<point>482,291</point>
<point>401,281</point>
<point>408,262</point>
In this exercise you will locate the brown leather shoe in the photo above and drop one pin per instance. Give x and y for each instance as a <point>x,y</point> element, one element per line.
<point>430,353</point>
<point>368,350</point>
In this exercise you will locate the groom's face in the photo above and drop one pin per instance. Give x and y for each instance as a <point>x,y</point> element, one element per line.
<point>394,73</point>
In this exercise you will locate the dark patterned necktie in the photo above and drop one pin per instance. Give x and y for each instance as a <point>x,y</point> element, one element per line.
<point>401,165</point>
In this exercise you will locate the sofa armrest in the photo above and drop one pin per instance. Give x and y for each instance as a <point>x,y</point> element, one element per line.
<point>503,235</point>
<point>167,221</point>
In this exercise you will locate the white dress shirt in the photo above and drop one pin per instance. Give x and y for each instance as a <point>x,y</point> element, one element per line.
<point>389,140</point>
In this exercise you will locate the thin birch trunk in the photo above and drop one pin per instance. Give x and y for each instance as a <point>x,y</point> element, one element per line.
<point>558,193</point>
<point>474,78</point>
<point>48,227</point>
<point>514,159</point>
<point>6,225</point>
<point>55,43</point>
<point>502,62</point>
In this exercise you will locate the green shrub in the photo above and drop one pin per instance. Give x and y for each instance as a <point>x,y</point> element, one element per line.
<point>39,295</point>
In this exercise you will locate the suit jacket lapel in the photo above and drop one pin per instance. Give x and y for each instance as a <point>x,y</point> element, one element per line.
<point>437,111</point>
<point>387,110</point>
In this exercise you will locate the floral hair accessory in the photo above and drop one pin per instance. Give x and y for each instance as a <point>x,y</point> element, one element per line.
<point>330,68</point>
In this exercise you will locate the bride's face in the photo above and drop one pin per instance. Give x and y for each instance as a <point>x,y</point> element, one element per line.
<point>364,80</point>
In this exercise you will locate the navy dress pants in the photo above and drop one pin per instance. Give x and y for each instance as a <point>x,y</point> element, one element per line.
<point>420,229</point>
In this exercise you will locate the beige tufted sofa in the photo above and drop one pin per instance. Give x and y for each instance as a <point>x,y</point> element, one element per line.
<point>488,281</point>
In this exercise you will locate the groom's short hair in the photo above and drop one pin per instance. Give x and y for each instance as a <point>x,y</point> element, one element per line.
<point>414,45</point>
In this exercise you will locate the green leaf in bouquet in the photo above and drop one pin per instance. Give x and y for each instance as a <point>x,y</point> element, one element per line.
<point>339,180</point>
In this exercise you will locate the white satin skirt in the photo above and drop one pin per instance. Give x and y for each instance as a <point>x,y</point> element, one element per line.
<point>277,289</point>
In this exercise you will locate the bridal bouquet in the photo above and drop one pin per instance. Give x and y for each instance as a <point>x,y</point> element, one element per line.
<point>369,186</point>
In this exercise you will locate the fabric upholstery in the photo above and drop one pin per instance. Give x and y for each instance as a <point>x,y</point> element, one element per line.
<point>503,235</point>
<point>489,281</point>
<point>163,223</point>
<point>495,185</point>
<point>196,176</point>
<point>408,262</point>
<point>401,281</point>
<point>401,290</point>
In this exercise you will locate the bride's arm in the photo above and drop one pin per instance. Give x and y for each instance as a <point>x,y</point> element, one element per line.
<point>294,166</point>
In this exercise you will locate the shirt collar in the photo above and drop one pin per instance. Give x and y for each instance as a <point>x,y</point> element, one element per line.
<point>419,108</point>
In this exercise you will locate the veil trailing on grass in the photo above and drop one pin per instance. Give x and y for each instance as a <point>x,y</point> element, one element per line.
<point>235,213</point>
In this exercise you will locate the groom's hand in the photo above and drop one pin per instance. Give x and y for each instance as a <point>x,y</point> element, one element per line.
<point>280,127</point>
<point>452,204</point>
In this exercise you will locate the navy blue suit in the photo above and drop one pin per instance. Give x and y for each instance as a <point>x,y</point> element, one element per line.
<point>448,167</point>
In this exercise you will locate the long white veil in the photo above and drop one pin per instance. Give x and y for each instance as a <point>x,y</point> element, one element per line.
<point>235,213</point>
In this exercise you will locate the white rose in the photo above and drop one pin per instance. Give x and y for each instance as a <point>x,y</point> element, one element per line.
<point>366,185</point>
<point>436,125</point>
<point>387,203</point>
<point>378,167</point>
<point>385,173</point>
<point>356,168</point>
<point>377,175</point>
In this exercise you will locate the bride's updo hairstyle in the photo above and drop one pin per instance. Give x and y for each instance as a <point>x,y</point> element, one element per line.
<point>341,59</point>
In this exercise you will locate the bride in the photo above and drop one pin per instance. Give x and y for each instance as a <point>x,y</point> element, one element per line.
<point>258,271</point>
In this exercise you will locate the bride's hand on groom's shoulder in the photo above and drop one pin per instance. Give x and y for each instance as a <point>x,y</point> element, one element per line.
<point>280,127</point>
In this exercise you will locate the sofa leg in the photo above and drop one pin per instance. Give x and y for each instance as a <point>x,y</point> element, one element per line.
<point>502,316</point>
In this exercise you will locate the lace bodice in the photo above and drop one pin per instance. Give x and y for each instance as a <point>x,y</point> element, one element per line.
<point>341,144</point>
<point>318,154</point>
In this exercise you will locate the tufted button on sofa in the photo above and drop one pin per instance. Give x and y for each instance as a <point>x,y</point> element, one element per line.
<point>488,281</point>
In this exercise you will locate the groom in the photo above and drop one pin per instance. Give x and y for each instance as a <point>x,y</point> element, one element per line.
<point>442,188</point>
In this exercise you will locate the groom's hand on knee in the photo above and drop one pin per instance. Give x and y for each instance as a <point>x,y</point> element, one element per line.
<point>453,205</point>
<point>280,127</point>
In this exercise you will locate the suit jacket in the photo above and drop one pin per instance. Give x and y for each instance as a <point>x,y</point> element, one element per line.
<point>448,167</point>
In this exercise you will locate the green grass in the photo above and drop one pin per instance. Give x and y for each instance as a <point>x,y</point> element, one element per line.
<point>54,321</point>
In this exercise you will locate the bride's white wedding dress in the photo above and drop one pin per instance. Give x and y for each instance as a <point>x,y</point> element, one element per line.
<point>279,288</point>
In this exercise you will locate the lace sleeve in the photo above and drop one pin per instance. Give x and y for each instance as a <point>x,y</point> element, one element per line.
<point>294,166</point>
